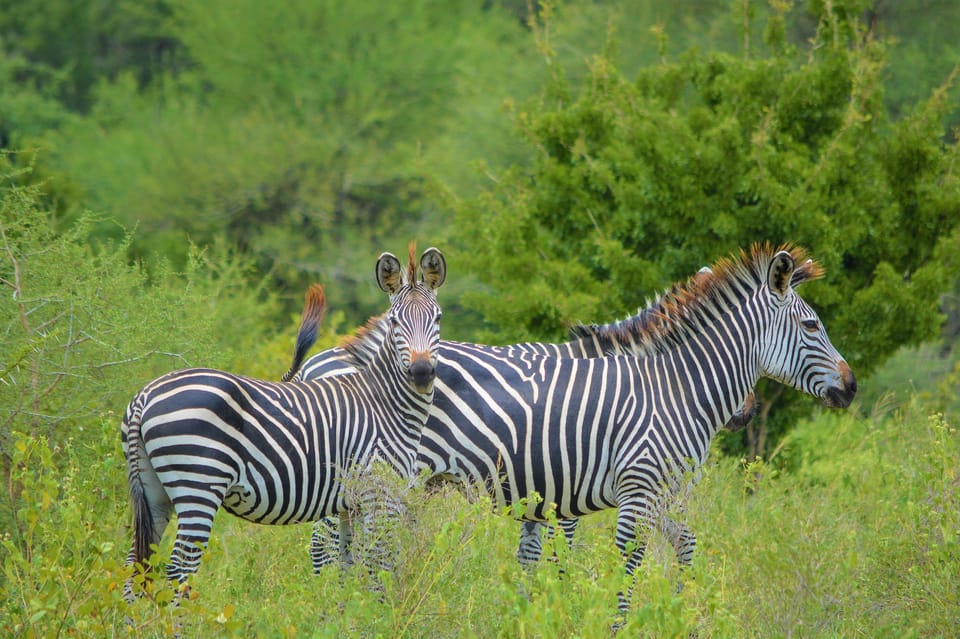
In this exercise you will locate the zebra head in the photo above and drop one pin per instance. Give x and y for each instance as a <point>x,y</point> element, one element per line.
<point>414,315</point>
<point>795,349</point>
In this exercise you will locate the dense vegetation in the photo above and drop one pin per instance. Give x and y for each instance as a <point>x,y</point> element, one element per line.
<point>173,174</point>
<point>858,538</point>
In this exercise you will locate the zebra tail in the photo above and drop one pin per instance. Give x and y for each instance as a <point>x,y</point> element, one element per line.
<point>143,529</point>
<point>314,307</point>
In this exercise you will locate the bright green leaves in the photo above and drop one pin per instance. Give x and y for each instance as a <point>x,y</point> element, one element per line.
<point>83,328</point>
<point>637,184</point>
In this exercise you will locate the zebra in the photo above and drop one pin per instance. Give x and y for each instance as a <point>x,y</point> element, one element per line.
<point>275,453</point>
<point>626,432</point>
<point>595,340</point>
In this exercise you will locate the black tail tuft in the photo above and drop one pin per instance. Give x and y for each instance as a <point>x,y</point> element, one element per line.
<point>143,533</point>
<point>314,308</point>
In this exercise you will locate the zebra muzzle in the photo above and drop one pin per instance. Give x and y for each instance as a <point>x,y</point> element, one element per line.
<point>422,372</point>
<point>840,396</point>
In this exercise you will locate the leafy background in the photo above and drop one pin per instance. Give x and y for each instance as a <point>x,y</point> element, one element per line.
<point>174,175</point>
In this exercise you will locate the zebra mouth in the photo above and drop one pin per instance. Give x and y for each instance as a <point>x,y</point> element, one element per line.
<point>841,396</point>
<point>744,414</point>
<point>423,389</point>
<point>421,376</point>
<point>837,397</point>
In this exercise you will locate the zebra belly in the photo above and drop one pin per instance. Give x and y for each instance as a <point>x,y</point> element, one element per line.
<point>565,497</point>
<point>280,500</point>
<point>510,478</point>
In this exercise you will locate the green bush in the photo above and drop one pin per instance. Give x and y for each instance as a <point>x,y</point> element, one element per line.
<point>860,537</point>
<point>62,554</point>
<point>84,329</point>
<point>637,183</point>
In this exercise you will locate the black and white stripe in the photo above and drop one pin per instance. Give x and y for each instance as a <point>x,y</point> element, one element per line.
<point>279,453</point>
<point>625,432</point>
<point>624,337</point>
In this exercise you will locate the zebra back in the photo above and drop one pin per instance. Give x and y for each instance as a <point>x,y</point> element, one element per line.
<point>623,337</point>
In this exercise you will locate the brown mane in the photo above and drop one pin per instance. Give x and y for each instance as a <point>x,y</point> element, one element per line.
<point>362,346</point>
<point>688,305</point>
<point>412,263</point>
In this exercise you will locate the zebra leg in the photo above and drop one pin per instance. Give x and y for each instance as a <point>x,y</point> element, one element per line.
<point>194,524</point>
<point>633,526</point>
<point>325,538</point>
<point>682,539</point>
<point>157,507</point>
<point>531,546</point>
<point>569,528</point>
<point>338,534</point>
<point>131,560</point>
<point>161,517</point>
<point>344,539</point>
<point>528,551</point>
<point>380,514</point>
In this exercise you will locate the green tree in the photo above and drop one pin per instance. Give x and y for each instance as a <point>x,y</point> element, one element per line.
<point>83,329</point>
<point>298,132</point>
<point>25,111</point>
<point>637,184</point>
<point>71,45</point>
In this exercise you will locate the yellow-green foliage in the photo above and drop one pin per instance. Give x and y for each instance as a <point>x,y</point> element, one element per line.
<point>83,328</point>
<point>859,537</point>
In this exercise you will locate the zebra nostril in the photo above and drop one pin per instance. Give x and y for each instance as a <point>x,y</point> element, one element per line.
<point>842,394</point>
<point>422,373</point>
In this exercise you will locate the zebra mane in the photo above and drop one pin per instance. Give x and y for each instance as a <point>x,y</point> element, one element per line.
<point>363,346</point>
<point>412,263</point>
<point>687,306</point>
<point>627,336</point>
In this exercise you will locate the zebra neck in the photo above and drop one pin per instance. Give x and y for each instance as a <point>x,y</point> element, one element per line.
<point>721,365</point>
<point>386,375</point>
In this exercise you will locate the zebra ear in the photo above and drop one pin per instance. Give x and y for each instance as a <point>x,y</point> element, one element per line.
<point>809,270</point>
<point>388,273</point>
<point>779,273</point>
<point>433,268</point>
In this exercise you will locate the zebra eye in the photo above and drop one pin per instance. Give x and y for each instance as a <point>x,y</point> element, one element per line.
<point>394,319</point>
<point>437,318</point>
<point>810,324</point>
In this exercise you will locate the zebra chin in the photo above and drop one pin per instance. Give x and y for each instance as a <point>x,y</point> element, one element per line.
<point>421,374</point>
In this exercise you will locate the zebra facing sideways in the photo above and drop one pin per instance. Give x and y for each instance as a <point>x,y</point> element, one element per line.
<point>198,440</point>
<point>596,340</point>
<point>618,432</point>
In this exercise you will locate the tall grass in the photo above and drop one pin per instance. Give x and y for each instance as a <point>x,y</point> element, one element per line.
<point>851,530</point>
